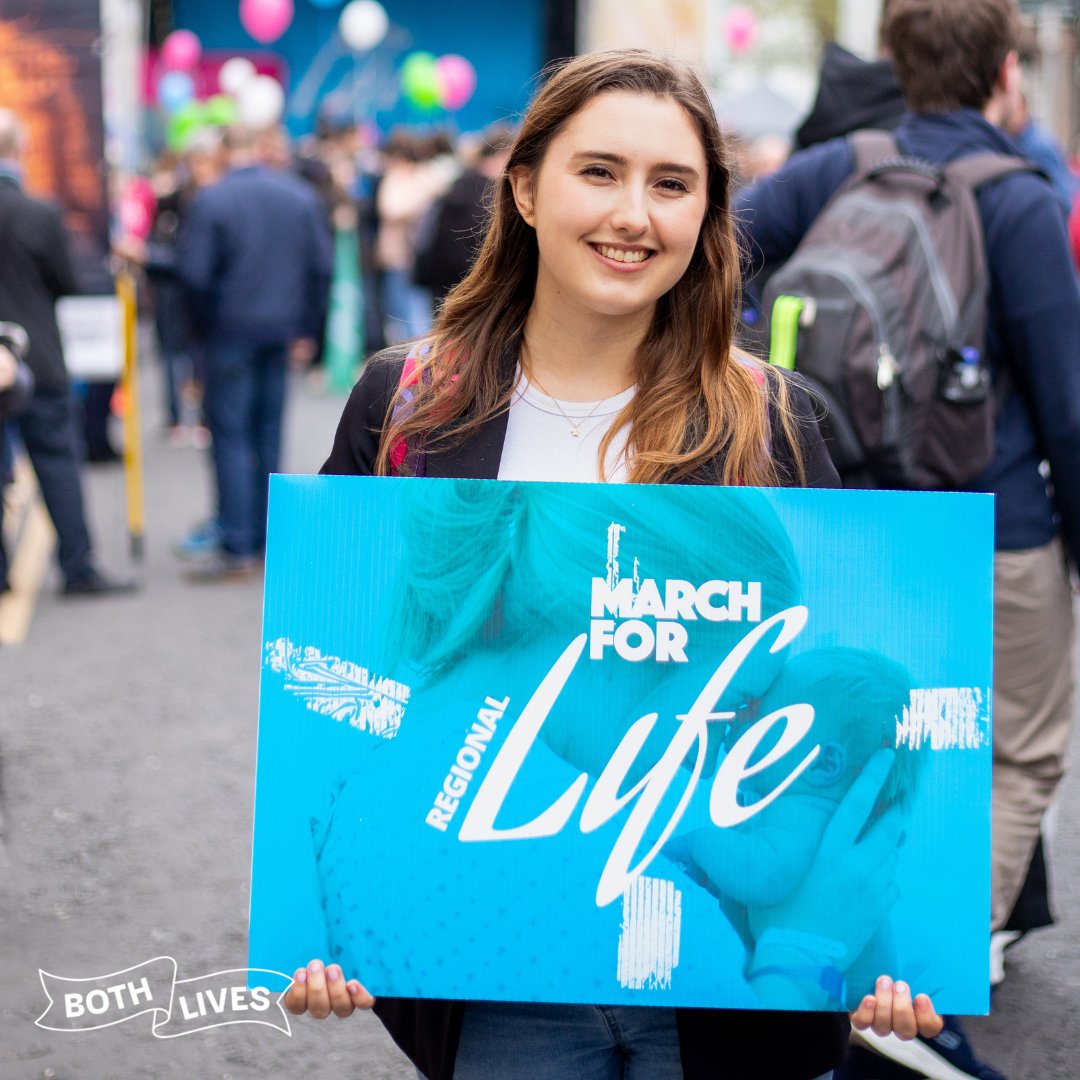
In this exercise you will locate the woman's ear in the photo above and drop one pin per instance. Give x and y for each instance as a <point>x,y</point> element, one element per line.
<point>521,184</point>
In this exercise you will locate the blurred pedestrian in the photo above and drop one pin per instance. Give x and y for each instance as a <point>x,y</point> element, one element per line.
<point>175,184</point>
<point>1041,149</point>
<point>456,221</point>
<point>35,271</point>
<point>408,188</point>
<point>254,253</point>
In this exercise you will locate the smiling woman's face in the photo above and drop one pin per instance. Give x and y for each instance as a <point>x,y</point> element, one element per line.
<point>617,205</point>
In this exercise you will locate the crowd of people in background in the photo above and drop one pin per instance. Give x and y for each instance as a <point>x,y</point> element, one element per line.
<point>411,211</point>
<point>417,202</point>
<point>412,205</point>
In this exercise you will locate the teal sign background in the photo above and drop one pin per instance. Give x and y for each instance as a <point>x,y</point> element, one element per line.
<point>417,822</point>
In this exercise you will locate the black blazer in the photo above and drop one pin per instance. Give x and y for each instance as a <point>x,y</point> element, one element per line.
<point>35,271</point>
<point>714,1043</point>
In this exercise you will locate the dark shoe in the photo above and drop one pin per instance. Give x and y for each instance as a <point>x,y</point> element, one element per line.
<point>94,584</point>
<point>223,567</point>
<point>103,455</point>
<point>948,1056</point>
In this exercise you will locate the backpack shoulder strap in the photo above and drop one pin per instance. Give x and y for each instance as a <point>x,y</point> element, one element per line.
<point>870,147</point>
<point>976,170</point>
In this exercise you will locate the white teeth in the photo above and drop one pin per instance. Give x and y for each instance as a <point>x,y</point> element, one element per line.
<point>623,256</point>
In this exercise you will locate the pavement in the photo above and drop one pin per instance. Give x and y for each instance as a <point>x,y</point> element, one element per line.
<point>127,738</point>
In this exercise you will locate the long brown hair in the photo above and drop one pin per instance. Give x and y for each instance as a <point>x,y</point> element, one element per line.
<point>695,400</point>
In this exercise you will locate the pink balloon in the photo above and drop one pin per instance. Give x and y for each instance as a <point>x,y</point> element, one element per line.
<point>180,51</point>
<point>266,20</point>
<point>741,29</point>
<point>457,80</point>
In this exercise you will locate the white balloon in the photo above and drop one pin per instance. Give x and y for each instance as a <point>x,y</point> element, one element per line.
<point>363,24</point>
<point>234,73</point>
<point>260,102</point>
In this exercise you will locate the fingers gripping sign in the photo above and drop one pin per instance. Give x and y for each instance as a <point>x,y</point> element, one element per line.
<point>891,1009</point>
<point>321,991</point>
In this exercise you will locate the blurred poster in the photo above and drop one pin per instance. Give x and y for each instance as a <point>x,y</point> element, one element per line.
<point>667,745</point>
<point>50,76</point>
<point>92,330</point>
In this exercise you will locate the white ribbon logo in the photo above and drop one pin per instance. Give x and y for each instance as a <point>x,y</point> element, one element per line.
<point>178,1006</point>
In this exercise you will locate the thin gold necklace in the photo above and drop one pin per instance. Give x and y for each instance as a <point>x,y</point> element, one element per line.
<point>575,428</point>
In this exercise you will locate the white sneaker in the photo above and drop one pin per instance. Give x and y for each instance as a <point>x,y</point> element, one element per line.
<point>1000,940</point>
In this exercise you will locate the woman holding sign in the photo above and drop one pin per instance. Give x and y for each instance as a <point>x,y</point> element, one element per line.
<point>593,340</point>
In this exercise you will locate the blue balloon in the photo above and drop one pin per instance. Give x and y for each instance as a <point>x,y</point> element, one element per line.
<point>175,90</point>
<point>325,3</point>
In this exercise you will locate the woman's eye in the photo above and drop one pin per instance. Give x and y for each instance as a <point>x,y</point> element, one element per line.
<point>670,183</point>
<point>596,170</point>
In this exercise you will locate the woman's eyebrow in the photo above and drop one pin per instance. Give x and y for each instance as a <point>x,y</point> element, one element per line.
<point>619,159</point>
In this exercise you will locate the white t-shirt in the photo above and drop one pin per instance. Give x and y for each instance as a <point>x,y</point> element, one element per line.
<point>548,439</point>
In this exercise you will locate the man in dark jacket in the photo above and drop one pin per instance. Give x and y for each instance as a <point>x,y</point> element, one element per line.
<point>957,65</point>
<point>255,255</point>
<point>35,271</point>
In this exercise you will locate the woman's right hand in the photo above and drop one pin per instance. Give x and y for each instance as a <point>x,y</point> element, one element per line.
<point>321,991</point>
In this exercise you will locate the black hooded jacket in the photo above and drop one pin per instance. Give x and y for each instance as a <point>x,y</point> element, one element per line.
<point>852,94</point>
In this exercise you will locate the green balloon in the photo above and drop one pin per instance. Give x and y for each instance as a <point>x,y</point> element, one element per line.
<point>183,124</point>
<point>220,110</point>
<point>420,80</point>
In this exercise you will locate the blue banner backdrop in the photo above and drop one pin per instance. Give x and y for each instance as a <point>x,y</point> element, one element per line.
<point>600,743</point>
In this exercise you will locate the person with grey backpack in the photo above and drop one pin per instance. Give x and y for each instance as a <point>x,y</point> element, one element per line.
<point>945,356</point>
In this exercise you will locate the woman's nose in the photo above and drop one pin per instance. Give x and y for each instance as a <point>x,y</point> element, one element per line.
<point>630,213</point>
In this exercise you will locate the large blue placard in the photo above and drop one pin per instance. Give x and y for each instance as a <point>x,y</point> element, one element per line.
<point>594,743</point>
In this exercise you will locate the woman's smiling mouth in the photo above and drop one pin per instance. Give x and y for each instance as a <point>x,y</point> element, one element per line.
<point>623,258</point>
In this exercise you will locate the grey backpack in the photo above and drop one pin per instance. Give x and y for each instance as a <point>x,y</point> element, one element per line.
<point>882,309</point>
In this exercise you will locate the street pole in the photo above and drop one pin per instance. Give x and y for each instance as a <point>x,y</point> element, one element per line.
<point>133,462</point>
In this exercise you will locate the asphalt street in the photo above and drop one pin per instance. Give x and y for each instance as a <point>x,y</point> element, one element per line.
<point>127,737</point>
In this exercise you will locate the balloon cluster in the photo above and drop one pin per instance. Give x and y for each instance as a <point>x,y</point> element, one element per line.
<point>429,82</point>
<point>246,97</point>
<point>258,101</point>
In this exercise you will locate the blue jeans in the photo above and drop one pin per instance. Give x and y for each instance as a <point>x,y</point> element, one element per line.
<point>245,400</point>
<point>171,324</point>
<point>567,1042</point>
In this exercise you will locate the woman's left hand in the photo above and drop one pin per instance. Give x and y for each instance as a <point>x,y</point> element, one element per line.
<point>892,1010</point>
